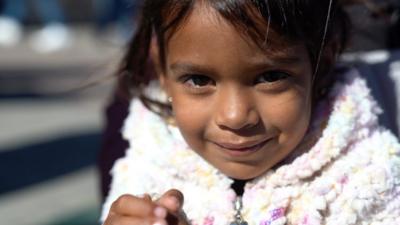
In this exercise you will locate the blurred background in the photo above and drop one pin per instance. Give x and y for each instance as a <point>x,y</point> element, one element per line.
<point>56,63</point>
<point>57,98</point>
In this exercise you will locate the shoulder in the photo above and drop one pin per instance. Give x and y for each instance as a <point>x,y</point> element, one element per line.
<point>362,184</point>
<point>368,184</point>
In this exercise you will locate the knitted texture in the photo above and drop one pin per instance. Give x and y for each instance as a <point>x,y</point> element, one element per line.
<point>346,171</point>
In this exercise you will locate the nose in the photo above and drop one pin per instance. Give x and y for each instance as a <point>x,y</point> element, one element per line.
<point>236,110</point>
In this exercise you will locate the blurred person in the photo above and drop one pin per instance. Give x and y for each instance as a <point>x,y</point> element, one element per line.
<point>117,16</point>
<point>394,30</point>
<point>10,27</point>
<point>374,24</point>
<point>53,36</point>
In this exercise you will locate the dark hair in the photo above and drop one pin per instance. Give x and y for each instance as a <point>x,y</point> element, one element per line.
<point>321,25</point>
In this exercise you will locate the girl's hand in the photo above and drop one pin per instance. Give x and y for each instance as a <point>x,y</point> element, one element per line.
<point>131,210</point>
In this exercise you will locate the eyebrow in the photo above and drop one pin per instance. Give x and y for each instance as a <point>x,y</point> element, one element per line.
<point>287,60</point>
<point>186,66</point>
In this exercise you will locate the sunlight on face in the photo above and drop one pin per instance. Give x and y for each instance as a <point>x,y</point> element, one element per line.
<point>241,108</point>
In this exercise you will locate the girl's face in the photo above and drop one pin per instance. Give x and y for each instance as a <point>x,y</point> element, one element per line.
<point>241,108</point>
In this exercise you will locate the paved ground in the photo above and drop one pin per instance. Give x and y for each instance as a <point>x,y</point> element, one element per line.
<point>41,101</point>
<point>66,198</point>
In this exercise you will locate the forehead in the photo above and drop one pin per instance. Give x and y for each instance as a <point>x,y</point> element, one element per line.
<point>206,32</point>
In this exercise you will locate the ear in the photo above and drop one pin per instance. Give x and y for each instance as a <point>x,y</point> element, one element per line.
<point>155,58</point>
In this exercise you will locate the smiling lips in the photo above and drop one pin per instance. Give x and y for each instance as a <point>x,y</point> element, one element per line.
<point>238,149</point>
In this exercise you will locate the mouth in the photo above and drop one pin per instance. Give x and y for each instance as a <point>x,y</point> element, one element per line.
<point>242,148</point>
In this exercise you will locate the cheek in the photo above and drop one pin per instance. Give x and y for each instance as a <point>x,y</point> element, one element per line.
<point>293,113</point>
<point>190,114</point>
<point>291,119</point>
<point>191,118</point>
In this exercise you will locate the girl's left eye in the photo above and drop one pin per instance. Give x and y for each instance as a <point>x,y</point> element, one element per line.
<point>272,77</point>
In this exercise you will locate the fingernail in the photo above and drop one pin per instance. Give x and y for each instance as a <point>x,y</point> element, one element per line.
<point>159,223</point>
<point>141,195</point>
<point>173,201</point>
<point>160,212</point>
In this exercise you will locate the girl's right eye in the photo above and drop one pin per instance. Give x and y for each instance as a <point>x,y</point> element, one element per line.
<point>197,81</point>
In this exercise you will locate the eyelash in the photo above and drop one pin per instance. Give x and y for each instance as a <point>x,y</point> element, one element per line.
<point>202,78</point>
<point>199,81</point>
<point>274,77</point>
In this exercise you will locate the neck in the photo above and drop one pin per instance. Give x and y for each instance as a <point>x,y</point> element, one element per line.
<point>238,186</point>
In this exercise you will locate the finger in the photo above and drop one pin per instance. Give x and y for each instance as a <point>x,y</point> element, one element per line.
<point>129,205</point>
<point>172,200</point>
<point>146,197</point>
<point>126,220</point>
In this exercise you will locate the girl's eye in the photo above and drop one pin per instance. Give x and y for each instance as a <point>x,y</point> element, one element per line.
<point>271,77</point>
<point>198,81</point>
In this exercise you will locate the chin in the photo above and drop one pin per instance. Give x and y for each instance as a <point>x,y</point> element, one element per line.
<point>244,172</point>
<point>242,177</point>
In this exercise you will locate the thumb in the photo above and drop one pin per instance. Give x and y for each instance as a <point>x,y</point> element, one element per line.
<point>172,200</point>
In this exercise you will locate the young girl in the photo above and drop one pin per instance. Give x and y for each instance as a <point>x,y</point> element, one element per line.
<point>237,110</point>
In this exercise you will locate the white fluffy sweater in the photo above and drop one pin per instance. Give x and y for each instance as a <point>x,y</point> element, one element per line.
<point>346,171</point>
